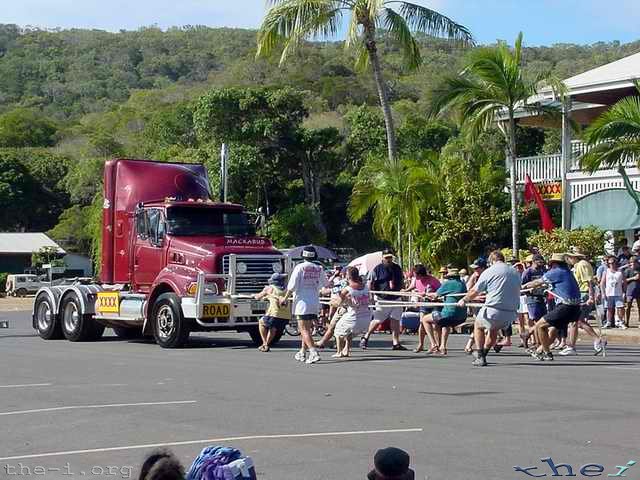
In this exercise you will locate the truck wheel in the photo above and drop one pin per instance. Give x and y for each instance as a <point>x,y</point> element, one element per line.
<point>254,333</point>
<point>47,323</point>
<point>170,329</point>
<point>128,333</point>
<point>77,327</point>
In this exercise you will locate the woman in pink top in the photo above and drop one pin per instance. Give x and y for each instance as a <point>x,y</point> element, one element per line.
<point>423,282</point>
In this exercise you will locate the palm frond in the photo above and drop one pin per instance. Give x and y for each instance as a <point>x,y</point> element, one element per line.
<point>621,120</point>
<point>292,21</point>
<point>430,22</point>
<point>397,27</point>
<point>610,154</point>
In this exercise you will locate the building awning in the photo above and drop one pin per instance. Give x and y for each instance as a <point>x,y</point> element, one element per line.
<point>26,243</point>
<point>621,211</point>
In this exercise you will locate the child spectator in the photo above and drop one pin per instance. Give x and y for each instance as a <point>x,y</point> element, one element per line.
<point>277,315</point>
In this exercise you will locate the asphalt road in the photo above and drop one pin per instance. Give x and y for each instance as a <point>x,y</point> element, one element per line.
<point>84,407</point>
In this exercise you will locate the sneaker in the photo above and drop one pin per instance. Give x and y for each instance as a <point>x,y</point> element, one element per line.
<point>300,356</point>
<point>538,355</point>
<point>313,358</point>
<point>547,357</point>
<point>566,351</point>
<point>364,343</point>
<point>398,347</point>
<point>480,361</point>
<point>622,326</point>
<point>597,346</point>
<point>606,326</point>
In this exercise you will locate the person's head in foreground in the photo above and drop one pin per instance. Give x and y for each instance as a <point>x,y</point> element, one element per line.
<point>161,465</point>
<point>309,253</point>
<point>391,464</point>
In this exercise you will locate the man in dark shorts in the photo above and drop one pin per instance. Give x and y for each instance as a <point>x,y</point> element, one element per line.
<point>536,299</point>
<point>386,277</point>
<point>563,286</point>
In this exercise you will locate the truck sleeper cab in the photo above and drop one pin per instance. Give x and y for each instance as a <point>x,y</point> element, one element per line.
<point>171,266</point>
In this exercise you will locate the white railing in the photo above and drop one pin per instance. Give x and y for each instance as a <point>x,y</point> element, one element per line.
<point>548,168</point>
<point>540,168</point>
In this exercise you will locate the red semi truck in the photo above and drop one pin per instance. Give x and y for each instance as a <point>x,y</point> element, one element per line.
<point>173,261</point>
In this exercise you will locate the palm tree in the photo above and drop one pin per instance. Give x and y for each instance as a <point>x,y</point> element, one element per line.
<point>488,91</point>
<point>293,21</point>
<point>614,138</point>
<point>396,193</point>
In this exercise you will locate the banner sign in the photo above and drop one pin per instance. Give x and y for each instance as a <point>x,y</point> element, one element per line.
<point>550,191</point>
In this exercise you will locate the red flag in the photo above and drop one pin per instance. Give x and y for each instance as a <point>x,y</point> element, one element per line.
<point>531,194</point>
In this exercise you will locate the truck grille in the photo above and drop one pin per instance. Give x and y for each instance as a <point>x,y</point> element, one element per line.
<point>260,269</point>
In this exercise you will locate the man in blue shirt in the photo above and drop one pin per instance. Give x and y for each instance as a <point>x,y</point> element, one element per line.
<point>564,287</point>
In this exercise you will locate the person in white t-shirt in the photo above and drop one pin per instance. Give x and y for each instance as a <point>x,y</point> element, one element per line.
<point>614,287</point>
<point>635,248</point>
<point>305,283</point>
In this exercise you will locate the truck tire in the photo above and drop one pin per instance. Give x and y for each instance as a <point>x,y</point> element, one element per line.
<point>128,333</point>
<point>77,327</point>
<point>170,330</point>
<point>46,322</point>
<point>254,333</point>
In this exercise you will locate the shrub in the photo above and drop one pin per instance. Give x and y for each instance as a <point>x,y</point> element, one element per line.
<point>589,241</point>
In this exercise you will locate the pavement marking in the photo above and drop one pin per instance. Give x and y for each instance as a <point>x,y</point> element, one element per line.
<point>213,440</point>
<point>27,385</point>
<point>80,407</point>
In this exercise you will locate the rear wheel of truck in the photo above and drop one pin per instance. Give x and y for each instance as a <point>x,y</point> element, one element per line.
<point>128,333</point>
<point>254,333</point>
<point>46,321</point>
<point>170,329</point>
<point>76,326</point>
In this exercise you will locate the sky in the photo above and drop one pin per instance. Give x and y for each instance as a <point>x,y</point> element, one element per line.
<point>544,22</point>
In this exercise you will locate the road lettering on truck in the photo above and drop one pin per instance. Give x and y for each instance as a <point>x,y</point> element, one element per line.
<point>216,310</point>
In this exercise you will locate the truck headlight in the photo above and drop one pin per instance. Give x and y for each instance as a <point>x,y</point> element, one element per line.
<point>277,267</point>
<point>241,268</point>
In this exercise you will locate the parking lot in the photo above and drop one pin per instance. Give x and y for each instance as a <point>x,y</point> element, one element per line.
<point>95,409</point>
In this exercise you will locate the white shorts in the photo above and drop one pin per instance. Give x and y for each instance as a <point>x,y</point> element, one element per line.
<point>494,319</point>
<point>347,325</point>
<point>523,305</point>
<point>381,314</point>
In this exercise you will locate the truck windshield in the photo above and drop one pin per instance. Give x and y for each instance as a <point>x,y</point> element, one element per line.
<point>194,221</point>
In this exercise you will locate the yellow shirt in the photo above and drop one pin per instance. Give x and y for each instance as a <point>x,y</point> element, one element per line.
<point>584,275</point>
<point>275,309</point>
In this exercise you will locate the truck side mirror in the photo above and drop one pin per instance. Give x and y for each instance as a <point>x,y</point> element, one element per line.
<point>141,224</point>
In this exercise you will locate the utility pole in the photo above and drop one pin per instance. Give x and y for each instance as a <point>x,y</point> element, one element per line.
<point>224,170</point>
<point>566,162</point>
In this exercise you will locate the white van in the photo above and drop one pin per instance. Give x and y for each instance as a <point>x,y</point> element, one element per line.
<point>21,285</point>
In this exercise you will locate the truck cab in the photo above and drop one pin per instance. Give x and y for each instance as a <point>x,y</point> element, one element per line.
<point>173,261</point>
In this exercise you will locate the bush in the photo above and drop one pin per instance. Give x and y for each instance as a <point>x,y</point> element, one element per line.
<point>589,241</point>
<point>3,281</point>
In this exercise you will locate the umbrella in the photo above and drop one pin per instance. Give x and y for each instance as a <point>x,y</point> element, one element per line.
<point>323,253</point>
<point>367,262</point>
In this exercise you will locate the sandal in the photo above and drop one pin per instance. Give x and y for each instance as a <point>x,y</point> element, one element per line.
<point>497,348</point>
<point>418,349</point>
<point>442,351</point>
<point>433,350</point>
<point>338,355</point>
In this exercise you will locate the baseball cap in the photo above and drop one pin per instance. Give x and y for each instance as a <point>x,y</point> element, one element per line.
<point>309,252</point>
<point>277,279</point>
<point>388,252</point>
<point>479,263</point>
<point>537,258</point>
<point>391,464</point>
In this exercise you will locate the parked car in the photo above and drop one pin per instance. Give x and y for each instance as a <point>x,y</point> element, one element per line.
<point>21,285</point>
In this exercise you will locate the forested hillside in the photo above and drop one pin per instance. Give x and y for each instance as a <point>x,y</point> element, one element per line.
<point>299,134</point>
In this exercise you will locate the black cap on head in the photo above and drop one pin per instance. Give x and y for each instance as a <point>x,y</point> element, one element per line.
<point>309,252</point>
<point>277,279</point>
<point>391,464</point>
<point>479,263</point>
<point>538,258</point>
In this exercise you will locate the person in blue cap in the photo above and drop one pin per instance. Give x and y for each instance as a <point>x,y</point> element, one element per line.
<point>277,315</point>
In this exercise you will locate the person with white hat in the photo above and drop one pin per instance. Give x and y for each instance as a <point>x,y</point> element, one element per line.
<point>305,283</point>
<point>563,286</point>
<point>387,277</point>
